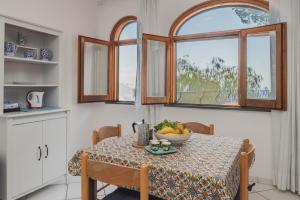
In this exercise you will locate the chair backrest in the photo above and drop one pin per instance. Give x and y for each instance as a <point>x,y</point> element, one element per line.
<point>246,159</point>
<point>106,132</point>
<point>113,174</point>
<point>200,128</point>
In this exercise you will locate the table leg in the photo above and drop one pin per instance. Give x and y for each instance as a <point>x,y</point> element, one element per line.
<point>92,189</point>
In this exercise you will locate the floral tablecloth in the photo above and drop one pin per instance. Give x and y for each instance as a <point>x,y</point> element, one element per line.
<point>204,167</point>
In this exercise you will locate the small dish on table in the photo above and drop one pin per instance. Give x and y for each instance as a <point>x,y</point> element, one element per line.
<point>160,151</point>
<point>160,147</point>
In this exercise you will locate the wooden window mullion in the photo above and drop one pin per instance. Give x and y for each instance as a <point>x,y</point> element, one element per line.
<point>113,73</point>
<point>173,72</point>
<point>144,77</point>
<point>242,70</point>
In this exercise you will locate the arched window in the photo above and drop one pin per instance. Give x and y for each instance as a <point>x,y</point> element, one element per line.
<point>124,39</point>
<point>226,54</point>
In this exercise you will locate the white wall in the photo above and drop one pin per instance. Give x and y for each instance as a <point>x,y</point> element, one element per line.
<point>75,17</point>
<point>239,124</point>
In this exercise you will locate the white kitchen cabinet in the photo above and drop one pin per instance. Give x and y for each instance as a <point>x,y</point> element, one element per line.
<point>33,151</point>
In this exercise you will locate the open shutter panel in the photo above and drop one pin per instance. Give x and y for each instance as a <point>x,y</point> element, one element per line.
<point>263,67</point>
<point>95,70</point>
<point>156,74</point>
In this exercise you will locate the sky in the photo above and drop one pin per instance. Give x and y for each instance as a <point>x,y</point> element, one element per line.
<point>201,52</point>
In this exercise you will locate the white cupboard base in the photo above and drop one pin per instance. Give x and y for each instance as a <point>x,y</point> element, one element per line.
<point>33,152</point>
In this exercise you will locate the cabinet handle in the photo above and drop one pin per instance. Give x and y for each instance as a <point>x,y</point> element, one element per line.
<point>40,153</point>
<point>47,151</point>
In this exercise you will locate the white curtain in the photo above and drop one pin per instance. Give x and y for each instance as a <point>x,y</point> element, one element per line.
<point>148,19</point>
<point>156,74</point>
<point>286,125</point>
<point>95,69</point>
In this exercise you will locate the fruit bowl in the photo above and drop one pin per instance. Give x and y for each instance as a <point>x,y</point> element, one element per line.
<point>174,138</point>
<point>175,132</point>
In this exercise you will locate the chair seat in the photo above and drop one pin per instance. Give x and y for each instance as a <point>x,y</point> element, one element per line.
<point>126,194</point>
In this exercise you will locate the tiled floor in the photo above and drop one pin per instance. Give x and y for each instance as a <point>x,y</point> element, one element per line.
<point>62,192</point>
<point>268,192</point>
<point>72,192</point>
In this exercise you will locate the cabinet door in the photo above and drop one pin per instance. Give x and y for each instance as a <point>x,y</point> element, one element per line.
<point>26,157</point>
<point>54,142</point>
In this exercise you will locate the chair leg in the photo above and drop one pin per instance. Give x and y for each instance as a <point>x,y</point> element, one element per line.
<point>92,189</point>
<point>250,186</point>
<point>144,183</point>
<point>84,178</point>
<point>244,176</point>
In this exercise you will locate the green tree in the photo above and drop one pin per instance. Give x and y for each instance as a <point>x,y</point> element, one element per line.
<point>252,16</point>
<point>214,84</point>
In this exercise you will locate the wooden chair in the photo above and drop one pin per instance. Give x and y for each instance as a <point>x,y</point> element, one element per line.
<point>92,171</point>
<point>106,132</point>
<point>103,133</point>
<point>246,160</point>
<point>200,128</point>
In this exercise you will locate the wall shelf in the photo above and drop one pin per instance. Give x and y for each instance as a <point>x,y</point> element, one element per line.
<point>26,60</point>
<point>22,75</point>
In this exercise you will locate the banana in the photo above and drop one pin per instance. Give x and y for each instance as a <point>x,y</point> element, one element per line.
<point>167,130</point>
<point>186,131</point>
<point>177,131</point>
<point>179,125</point>
<point>180,129</point>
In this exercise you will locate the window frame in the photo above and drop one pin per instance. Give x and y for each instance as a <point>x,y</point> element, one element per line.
<point>281,101</point>
<point>114,38</point>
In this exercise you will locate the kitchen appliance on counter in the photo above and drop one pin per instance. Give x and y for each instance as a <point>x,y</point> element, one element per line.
<point>35,99</point>
<point>11,107</point>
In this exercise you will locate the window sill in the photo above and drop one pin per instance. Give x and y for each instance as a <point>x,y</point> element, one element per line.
<point>217,107</point>
<point>121,102</point>
<point>197,106</point>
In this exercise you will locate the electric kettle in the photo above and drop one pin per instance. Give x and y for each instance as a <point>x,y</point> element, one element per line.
<point>35,99</point>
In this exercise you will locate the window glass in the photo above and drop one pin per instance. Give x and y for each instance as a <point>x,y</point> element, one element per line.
<point>127,63</point>
<point>261,66</point>
<point>207,72</point>
<point>95,69</point>
<point>224,18</point>
<point>129,31</point>
<point>156,68</point>
<point>127,72</point>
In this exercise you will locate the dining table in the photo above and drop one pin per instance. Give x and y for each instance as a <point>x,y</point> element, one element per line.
<point>204,167</point>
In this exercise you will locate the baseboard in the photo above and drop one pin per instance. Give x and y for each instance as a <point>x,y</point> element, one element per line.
<point>261,180</point>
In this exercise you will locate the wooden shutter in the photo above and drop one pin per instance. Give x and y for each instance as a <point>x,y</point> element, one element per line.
<point>103,73</point>
<point>276,98</point>
<point>153,92</point>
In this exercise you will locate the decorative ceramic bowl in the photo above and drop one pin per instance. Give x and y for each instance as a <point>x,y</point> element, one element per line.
<point>174,138</point>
